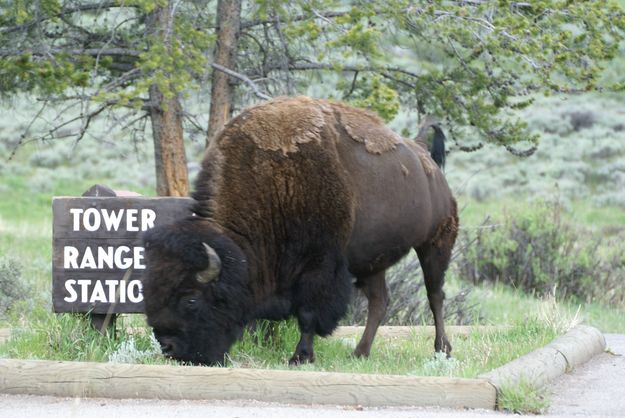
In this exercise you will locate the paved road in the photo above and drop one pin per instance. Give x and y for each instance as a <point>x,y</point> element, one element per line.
<point>595,389</point>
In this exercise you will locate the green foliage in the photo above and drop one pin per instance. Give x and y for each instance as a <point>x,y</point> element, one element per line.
<point>472,64</point>
<point>377,95</point>
<point>408,304</point>
<point>522,398</point>
<point>540,253</point>
<point>270,346</point>
<point>496,55</point>
<point>62,337</point>
<point>70,337</point>
<point>101,55</point>
<point>51,75</point>
<point>12,287</point>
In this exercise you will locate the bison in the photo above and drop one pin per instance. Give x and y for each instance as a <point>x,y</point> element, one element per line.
<point>297,201</point>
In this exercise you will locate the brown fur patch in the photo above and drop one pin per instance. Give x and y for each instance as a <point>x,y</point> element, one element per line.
<point>267,125</point>
<point>420,148</point>
<point>209,180</point>
<point>428,164</point>
<point>367,128</point>
<point>447,231</point>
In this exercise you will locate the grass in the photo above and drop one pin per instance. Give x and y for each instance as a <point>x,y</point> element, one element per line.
<point>65,337</point>
<point>501,304</point>
<point>69,337</point>
<point>472,355</point>
<point>577,212</point>
<point>522,398</point>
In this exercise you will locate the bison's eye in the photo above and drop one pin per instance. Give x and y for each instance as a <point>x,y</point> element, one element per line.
<point>189,302</point>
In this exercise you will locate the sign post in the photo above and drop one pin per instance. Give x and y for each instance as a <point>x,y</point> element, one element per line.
<point>97,260</point>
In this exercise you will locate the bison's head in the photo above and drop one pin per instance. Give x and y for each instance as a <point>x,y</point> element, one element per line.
<point>196,290</point>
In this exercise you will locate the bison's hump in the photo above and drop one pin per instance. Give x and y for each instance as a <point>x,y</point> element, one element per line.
<point>367,128</point>
<point>283,123</point>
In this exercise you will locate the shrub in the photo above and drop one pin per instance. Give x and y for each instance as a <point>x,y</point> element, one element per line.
<point>50,156</point>
<point>408,304</point>
<point>12,287</point>
<point>581,120</point>
<point>130,351</point>
<point>540,253</point>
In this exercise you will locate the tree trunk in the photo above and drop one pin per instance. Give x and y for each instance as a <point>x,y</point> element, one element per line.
<point>166,118</point>
<point>228,28</point>
<point>169,156</point>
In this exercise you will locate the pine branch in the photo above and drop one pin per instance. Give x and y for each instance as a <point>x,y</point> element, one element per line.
<point>67,11</point>
<point>125,52</point>
<point>243,78</point>
<point>299,18</point>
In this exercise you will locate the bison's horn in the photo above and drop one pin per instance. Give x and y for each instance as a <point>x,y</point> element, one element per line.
<point>214,266</point>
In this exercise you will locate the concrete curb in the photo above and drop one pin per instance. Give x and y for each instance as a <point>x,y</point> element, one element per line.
<point>541,366</point>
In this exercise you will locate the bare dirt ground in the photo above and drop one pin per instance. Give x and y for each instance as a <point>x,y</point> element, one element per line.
<point>595,389</point>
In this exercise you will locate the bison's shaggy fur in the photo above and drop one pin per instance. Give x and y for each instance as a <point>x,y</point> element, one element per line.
<point>299,199</point>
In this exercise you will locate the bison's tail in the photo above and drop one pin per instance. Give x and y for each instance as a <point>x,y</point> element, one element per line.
<point>438,146</point>
<point>437,151</point>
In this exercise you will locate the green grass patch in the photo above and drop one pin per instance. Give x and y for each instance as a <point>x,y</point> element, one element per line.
<point>69,337</point>
<point>522,398</point>
<point>472,355</point>
<point>501,304</point>
<point>582,213</point>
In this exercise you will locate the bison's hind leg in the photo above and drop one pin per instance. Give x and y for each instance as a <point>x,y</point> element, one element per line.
<point>321,297</point>
<point>374,288</point>
<point>434,257</point>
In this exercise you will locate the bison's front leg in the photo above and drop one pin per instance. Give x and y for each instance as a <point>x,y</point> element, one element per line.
<point>374,287</point>
<point>322,296</point>
<point>434,257</point>
<point>304,352</point>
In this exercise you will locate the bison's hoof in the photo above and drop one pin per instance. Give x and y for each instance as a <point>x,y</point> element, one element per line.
<point>443,347</point>
<point>301,358</point>
<point>361,353</point>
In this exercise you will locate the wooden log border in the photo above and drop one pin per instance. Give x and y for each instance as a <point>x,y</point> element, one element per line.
<point>110,380</point>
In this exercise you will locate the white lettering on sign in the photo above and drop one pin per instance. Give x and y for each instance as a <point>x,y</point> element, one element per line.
<point>109,291</point>
<point>112,219</point>
<point>70,257</point>
<point>116,253</point>
<point>92,219</point>
<point>76,218</point>
<point>122,257</point>
<point>148,216</point>
<point>69,286</point>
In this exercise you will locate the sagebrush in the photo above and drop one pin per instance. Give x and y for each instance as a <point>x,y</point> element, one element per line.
<point>12,287</point>
<point>539,252</point>
<point>408,304</point>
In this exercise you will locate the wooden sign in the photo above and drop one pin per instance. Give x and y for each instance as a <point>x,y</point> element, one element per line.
<point>97,258</point>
